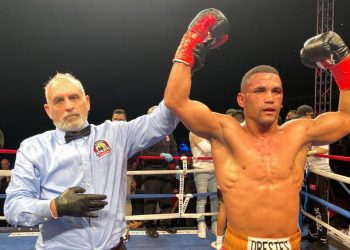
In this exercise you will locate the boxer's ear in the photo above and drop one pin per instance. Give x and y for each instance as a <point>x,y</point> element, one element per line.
<point>240,100</point>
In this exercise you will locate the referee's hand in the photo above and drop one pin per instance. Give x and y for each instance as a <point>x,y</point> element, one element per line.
<point>73,202</point>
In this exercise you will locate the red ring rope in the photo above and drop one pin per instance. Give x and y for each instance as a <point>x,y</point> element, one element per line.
<point>332,157</point>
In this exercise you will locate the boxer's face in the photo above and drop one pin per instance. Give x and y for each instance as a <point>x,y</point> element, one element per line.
<point>67,106</point>
<point>262,98</point>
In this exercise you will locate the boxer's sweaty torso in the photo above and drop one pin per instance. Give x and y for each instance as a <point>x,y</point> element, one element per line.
<point>260,178</point>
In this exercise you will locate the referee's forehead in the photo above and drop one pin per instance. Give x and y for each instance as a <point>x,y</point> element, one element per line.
<point>62,87</point>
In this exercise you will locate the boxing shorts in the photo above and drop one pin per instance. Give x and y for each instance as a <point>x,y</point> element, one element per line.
<point>238,241</point>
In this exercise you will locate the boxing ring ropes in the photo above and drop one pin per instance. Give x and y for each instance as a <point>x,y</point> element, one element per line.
<point>183,199</point>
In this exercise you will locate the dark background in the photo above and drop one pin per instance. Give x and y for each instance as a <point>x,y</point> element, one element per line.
<point>122,52</point>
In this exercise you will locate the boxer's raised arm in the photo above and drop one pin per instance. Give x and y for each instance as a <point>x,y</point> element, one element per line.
<point>329,51</point>
<point>208,30</point>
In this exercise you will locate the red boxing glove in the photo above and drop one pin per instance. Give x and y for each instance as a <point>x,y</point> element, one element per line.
<point>341,73</point>
<point>211,27</point>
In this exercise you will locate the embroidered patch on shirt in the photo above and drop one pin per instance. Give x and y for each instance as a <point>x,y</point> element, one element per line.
<point>101,148</point>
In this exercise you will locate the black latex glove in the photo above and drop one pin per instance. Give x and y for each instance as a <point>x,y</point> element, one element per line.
<point>73,202</point>
<point>200,53</point>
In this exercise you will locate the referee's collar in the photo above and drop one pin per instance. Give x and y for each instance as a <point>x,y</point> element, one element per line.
<point>60,133</point>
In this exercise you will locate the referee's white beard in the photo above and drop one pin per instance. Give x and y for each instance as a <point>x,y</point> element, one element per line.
<point>75,125</point>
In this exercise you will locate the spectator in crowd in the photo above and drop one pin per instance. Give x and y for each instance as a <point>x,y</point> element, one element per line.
<point>2,139</point>
<point>230,111</point>
<point>238,114</point>
<point>304,111</point>
<point>290,115</point>
<point>317,185</point>
<point>120,115</point>
<point>159,184</point>
<point>137,204</point>
<point>134,207</point>
<point>205,182</point>
<point>5,180</point>
<point>221,224</point>
<point>190,187</point>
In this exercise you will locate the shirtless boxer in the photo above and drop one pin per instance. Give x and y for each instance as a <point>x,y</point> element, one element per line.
<point>261,178</point>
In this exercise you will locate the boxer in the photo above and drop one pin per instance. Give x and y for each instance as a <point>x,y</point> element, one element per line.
<point>259,165</point>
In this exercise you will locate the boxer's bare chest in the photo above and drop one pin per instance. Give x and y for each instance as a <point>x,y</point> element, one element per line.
<point>268,158</point>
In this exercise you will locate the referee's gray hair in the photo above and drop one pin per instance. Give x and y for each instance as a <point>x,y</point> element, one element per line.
<point>59,76</point>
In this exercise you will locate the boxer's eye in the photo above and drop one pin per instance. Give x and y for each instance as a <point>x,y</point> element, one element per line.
<point>259,90</point>
<point>277,91</point>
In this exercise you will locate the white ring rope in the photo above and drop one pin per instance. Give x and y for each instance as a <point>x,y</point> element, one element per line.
<point>167,216</point>
<point>330,175</point>
<point>330,228</point>
<point>180,171</point>
<point>339,178</point>
<point>5,173</point>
